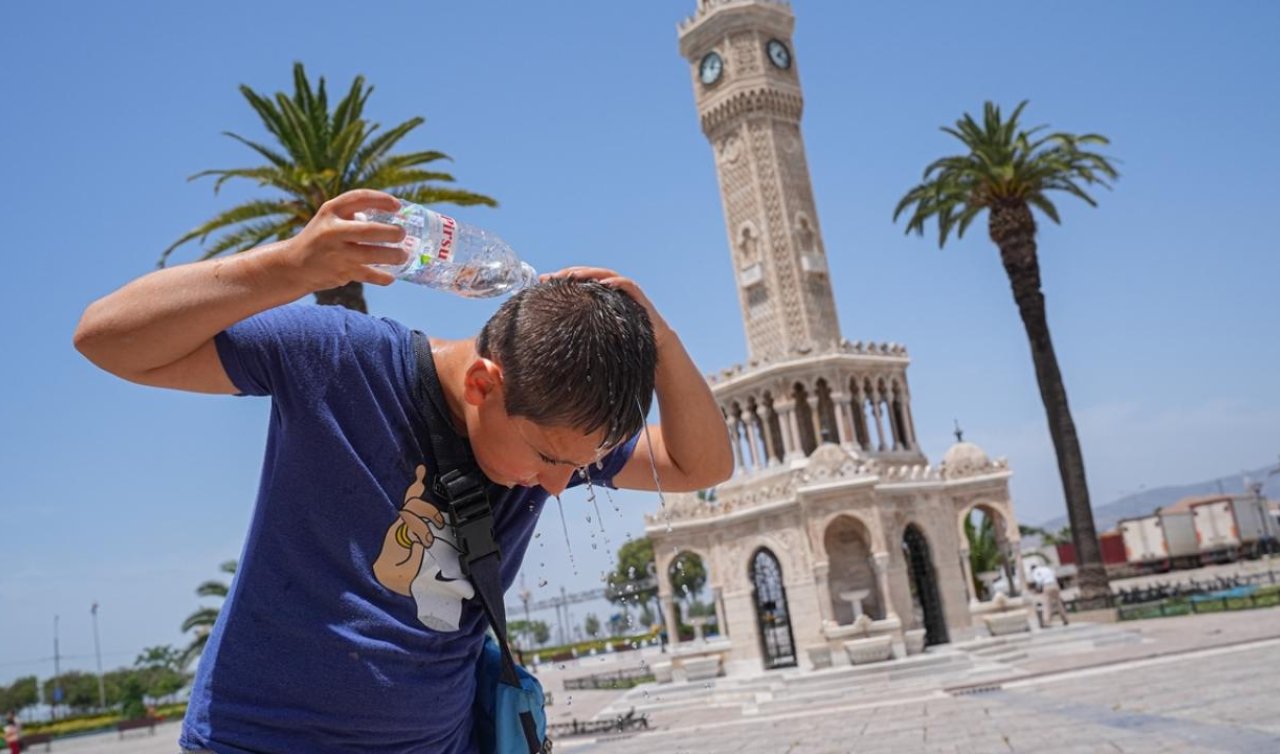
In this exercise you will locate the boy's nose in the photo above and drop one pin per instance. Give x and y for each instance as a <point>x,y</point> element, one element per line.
<point>555,481</point>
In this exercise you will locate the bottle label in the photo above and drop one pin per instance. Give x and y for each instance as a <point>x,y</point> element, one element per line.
<point>448,232</point>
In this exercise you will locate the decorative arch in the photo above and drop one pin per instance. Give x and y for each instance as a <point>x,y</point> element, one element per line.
<point>773,616</point>
<point>926,598</point>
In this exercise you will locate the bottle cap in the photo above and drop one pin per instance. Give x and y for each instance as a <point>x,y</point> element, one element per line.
<point>527,277</point>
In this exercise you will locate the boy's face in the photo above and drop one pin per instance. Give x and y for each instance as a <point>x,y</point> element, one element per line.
<point>514,451</point>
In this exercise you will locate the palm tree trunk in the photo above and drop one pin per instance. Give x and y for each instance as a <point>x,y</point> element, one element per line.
<point>1013,229</point>
<point>350,295</point>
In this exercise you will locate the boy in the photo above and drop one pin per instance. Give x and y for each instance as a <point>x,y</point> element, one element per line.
<point>349,626</point>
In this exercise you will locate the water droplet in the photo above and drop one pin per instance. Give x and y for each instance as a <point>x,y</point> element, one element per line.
<point>542,582</point>
<point>562,666</point>
<point>569,703</point>
<point>589,521</point>
<point>537,535</point>
<point>594,546</point>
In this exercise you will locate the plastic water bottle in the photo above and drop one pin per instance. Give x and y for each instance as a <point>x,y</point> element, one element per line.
<point>453,256</point>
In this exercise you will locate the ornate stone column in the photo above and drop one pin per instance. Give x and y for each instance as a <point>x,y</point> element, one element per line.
<point>772,453</point>
<point>911,423</point>
<point>896,420</point>
<point>842,419</point>
<point>753,440</point>
<point>966,569</point>
<point>875,408</point>
<point>732,424</point>
<point>791,428</point>
<point>669,616</point>
<point>721,624</point>
<point>880,562</point>
<point>822,576</point>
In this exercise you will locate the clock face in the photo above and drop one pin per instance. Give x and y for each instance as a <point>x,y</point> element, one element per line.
<point>710,68</point>
<point>779,55</point>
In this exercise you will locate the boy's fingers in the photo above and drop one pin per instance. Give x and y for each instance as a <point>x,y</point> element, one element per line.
<point>346,205</point>
<point>582,273</point>
<point>374,277</point>
<point>378,254</point>
<point>374,232</point>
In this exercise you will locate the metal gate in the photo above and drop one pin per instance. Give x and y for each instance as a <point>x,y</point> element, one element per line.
<point>772,619</point>
<point>924,585</point>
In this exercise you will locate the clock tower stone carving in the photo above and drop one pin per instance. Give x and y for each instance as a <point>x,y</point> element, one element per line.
<point>747,88</point>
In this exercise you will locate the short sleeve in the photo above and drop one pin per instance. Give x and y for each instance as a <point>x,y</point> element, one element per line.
<point>603,472</point>
<point>301,348</point>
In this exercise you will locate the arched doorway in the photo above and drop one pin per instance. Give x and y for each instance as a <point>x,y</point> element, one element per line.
<point>772,619</point>
<point>924,586</point>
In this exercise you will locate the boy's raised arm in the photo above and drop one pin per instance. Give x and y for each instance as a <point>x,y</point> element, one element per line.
<point>158,330</point>
<point>690,447</point>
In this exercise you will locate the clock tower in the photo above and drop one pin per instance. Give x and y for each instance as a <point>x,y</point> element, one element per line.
<point>747,88</point>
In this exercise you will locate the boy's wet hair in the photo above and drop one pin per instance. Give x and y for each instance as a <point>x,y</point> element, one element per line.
<point>574,354</point>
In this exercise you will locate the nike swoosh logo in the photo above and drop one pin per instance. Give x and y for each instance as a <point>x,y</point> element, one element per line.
<point>444,579</point>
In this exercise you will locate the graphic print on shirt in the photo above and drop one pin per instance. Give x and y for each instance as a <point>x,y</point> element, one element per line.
<point>419,558</point>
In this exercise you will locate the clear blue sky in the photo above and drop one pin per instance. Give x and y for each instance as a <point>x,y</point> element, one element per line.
<point>579,118</point>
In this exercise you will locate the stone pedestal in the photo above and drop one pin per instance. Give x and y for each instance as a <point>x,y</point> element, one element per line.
<point>873,649</point>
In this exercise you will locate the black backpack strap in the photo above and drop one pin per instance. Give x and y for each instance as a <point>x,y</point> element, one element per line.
<point>464,489</point>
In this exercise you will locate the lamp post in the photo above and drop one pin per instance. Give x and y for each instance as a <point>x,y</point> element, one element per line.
<point>97,651</point>
<point>57,671</point>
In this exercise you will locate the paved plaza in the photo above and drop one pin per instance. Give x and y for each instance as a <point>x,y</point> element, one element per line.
<point>1205,683</point>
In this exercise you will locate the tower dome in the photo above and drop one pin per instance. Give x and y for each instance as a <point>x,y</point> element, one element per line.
<point>964,459</point>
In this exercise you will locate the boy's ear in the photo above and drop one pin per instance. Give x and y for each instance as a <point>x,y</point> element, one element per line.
<point>483,380</point>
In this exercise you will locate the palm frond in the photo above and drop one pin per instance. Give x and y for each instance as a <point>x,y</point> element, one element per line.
<point>1004,162</point>
<point>317,155</point>
<point>274,157</point>
<point>375,149</point>
<point>428,194</point>
<point>204,617</point>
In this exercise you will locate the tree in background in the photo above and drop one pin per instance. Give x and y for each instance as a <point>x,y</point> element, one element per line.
<point>1007,172</point>
<point>532,633</point>
<point>318,155</point>
<point>630,583</point>
<point>202,620</point>
<point>160,669</point>
<point>984,551</point>
<point>23,692</point>
<point>79,690</point>
<point>688,576</point>
<point>591,624</point>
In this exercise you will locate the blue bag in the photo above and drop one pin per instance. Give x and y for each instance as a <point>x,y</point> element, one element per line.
<point>504,713</point>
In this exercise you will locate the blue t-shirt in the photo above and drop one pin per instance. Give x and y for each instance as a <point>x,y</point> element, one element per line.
<point>349,626</point>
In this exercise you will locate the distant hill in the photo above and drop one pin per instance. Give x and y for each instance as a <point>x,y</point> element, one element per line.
<point>1145,502</point>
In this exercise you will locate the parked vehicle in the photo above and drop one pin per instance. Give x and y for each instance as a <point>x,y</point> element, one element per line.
<point>1228,528</point>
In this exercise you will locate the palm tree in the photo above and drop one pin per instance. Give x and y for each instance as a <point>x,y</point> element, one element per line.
<point>202,620</point>
<point>1008,171</point>
<point>984,548</point>
<point>324,154</point>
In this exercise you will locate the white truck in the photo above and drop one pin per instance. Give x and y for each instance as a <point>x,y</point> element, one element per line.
<point>1228,527</point>
<point>1144,545</point>
<point>1160,541</point>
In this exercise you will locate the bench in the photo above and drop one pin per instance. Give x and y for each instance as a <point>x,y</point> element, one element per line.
<point>619,724</point>
<point>32,739</point>
<point>142,722</point>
